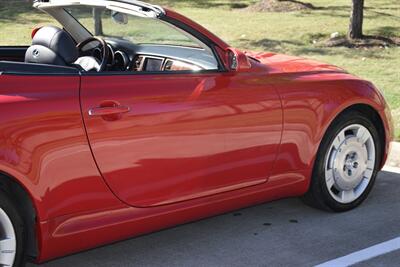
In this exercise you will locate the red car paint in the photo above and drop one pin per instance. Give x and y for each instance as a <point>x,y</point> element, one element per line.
<point>191,146</point>
<point>172,147</point>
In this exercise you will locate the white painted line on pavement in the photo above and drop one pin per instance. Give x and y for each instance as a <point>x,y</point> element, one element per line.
<point>364,254</point>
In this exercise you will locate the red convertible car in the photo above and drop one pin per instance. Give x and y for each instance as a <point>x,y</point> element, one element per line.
<point>141,119</point>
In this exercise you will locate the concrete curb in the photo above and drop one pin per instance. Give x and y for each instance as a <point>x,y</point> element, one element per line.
<point>391,169</point>
<point>394,156</point>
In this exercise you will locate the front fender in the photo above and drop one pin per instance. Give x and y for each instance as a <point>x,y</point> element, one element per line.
<point>310,106</point>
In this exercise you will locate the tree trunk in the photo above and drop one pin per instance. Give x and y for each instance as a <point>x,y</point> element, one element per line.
<point>98,25</point>
<point>356,20</point>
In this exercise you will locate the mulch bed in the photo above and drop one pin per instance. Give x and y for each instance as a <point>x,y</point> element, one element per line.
<point>279,6</point>
<point>366,42</point>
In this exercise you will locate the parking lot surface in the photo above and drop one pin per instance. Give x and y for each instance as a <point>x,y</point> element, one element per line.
<point>279,233</point>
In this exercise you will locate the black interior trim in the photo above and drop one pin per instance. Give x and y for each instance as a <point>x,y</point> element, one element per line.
<point>22,68</point>
<point>14,53</point>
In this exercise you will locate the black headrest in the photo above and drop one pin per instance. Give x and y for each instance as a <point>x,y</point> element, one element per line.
<point>43,55</point>
<point>56,40</point>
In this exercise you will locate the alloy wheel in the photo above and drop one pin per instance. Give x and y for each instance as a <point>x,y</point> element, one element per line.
<point>350,163</point>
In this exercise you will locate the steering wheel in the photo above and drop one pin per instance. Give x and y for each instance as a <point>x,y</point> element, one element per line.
<point>103,47</point>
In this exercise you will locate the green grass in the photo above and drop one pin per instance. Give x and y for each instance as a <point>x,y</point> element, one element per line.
<point>291,33</point>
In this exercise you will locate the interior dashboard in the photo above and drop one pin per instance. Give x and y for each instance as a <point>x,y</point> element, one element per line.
<point>153,63</point>
<point>125,56</point>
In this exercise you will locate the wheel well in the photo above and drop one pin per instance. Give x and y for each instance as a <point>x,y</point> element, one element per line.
<point>24,205</point>
<point>376,119</point>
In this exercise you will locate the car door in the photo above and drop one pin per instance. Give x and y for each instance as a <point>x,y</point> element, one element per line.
<point>163,138</point>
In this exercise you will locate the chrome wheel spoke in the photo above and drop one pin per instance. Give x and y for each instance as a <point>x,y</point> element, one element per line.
<point>340,138</point>
<point>370,164</point>
<point>330,181</point>
<point>7,244</point>
<point>347,196</point>
<point>7,259</point>
<point>7,252</point>
<point>368,173</point>
<point>363,135</point>
<point>363,185</point>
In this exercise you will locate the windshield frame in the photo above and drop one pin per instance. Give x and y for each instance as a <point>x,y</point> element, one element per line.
<point>139,7</point>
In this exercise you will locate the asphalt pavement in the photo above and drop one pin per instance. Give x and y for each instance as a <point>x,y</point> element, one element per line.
<point>279,233</point>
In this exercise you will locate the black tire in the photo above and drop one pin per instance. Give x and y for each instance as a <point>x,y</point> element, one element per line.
<point>318,195</point>
<point>9,208</point>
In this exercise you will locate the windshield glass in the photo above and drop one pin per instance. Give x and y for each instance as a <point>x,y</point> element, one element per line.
<point>138,30</point>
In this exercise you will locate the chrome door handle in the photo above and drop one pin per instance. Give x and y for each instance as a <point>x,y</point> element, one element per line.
<point>105,111</point>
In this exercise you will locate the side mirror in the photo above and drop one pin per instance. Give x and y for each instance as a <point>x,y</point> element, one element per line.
<point>237,60</point>
<point>119,17</point>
